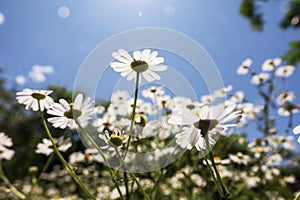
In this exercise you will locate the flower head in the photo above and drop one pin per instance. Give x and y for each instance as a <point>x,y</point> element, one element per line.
<point>30,99</point>
<point>284,97</point>
<point>67,114</point>
<point>285,71</point>
<point>45,147</point>
<point>5,142</point>
<point>244,67</point>
<point>144,62</point>
<point>270,64</point>
<point>260,78</point>
<point>207,122</point>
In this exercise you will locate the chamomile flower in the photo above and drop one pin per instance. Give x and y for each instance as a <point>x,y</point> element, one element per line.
<point>143,62</point>
<point>30,99</point>
<point>244,67</point>
<point>270,64</point>
<point>45,147</point>
<point>67,114</point>
<point>5,141</point>
<point>113,138</point>
<point>284,97</point>
<point>285,71</point>
<point>296,131</point>
<point>207,122</point>
<point>260,78</point>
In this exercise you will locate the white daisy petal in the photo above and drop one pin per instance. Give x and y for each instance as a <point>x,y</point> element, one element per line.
<point>137,55</point>
<point>158,67</point>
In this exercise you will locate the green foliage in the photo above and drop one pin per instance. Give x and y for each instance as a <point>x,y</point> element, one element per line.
<point>248,9</point>
<point>292,17</point>
<point>292,56</point>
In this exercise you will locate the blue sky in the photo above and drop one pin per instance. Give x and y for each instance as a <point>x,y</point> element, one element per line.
<point>33,33</point>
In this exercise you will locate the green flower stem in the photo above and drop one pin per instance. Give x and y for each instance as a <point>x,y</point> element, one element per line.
<point>226,194</point>
<point>157,181</point>
<point>61,158</point>
<point>9,185</point>
<point>45,166</point>
<point>297,197</point>
<point>213,175</point>
<point>102,155</point>
<point>133,113</point>
<point>133,175</point>
<point>36,180</point>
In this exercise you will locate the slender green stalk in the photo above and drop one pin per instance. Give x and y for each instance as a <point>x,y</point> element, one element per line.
<point>45,166</point>
<point>133,112</point>
<point>9,185</point>
<point>102,155</point>
<point>61,158</point>
<point>226,194</point>
<point>157,181</point>
<point>133,175</point>
<point>213,175</point>
<point>36,180</point>
<point>297,197</point>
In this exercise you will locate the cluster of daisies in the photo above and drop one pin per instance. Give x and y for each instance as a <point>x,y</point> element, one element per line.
<point>266,84</point>
<point>194,124</point>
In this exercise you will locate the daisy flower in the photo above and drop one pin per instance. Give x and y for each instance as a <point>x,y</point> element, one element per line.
<point>285,71</point>
<point>244,67</point>
<point>67,114</point>
<point>208,122</point>
<point>296,131</point>
<point>143,62</point>
<point>285,97</point>
<point>5,142</point>
<point>30,99</point>
<point>260,78</point>
<point>270,64</point>
<point>45,147</point>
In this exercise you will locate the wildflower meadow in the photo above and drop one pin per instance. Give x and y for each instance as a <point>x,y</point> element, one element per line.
<point>138,124</point>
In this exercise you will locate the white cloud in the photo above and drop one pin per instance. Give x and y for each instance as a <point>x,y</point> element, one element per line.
<point>38,72</point>
<point>20,80</point>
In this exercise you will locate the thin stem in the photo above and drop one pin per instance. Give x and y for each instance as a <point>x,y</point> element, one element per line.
<point>297,197</point>
<point>213,175</point>
<point>9,185</point>
<point>289,125</point>
<point>36,181</point>
<point>133,175</point>
<point>133,112</point>
<point>224,190</point>
<point>157,181</point>
<point>61,158</point>
<point>102,155</point>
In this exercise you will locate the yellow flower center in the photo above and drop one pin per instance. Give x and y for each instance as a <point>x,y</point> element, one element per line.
<point>117,140</point>
<point>72,113</point>
<point>38,96</point>
<point>140,119</point>
<point>139,65</point>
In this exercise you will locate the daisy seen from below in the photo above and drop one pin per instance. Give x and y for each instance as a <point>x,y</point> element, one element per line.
<point>284,97</point>
<point>203,125</point>
<point>285,71</point>
<point>260,78</point>
<point>30,99</point>
<point>270,64</point>
<point>296,131</point>
<point>244,67</point>
<point>143,62</point>
<point>67,114</point>
<point>5,141</point>
<point>45,147</point>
